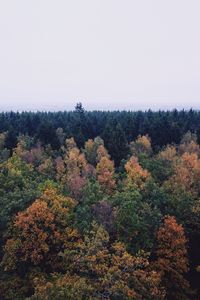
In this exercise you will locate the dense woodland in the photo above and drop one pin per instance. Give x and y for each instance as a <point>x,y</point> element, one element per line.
<point>100,205</point>
<point>117,129</point>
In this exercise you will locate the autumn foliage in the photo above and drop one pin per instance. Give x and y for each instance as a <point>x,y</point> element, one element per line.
<point>136,175</point>
<point>172,260</point>
<point>40,232</point>
<point>104,271</point>
<point>187,174</point>
<point>142,145</point>
<point>74,224</point>
<point>105,174</point>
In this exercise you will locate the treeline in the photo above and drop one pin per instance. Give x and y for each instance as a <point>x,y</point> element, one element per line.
<point>73,226</point>
<point>117,129</point>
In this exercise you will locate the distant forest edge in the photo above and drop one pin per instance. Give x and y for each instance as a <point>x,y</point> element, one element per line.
<point>116,128</point>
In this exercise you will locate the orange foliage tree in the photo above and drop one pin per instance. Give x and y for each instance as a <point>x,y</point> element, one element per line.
<point>103,270</point>
<point>172,259</point>
<point>40,232</point>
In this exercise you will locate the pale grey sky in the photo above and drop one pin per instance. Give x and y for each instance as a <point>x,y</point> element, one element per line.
<point>108,54</point>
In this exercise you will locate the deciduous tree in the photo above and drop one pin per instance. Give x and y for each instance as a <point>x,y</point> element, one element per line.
<point>40,232</point>
<point>136,175</point>
<point>105,175</point>
<point>172,259</point>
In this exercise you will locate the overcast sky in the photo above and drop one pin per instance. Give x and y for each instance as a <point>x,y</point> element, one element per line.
<point>108,54</point>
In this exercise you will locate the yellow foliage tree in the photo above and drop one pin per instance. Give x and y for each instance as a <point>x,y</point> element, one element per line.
<point>186,175</point>
<point>141,145</point>
<point>136,175</point>
<point>105,175</point>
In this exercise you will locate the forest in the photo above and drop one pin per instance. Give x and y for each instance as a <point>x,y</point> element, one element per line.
<point>100,205</point>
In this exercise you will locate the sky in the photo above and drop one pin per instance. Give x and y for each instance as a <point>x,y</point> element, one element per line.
<point>107,54</point>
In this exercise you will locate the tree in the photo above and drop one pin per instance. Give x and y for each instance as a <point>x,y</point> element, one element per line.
<point>92,150</point>
<point>119,148</point>
<point>104,214</point>
<point>11,138</point>
<point>136,175</point>
<point>136,220</point>
<point>79,108</point>
<point>116,142</point>
<point>92,194</point>
<point>103,270</point>
<point>172,259</point>
<point>4,152</point>
<point>161,166</point>
<point>40,232</point>
<point>169,154</point>
<point>105,175</point>
<point>62,287</point>
<point>102,152</point>
<point>186,175</point>
<point>47,168</point>
<point>80,128</point>
<point>60,135</point>
<point>19,186</point>
<point>2,140</point>
<point>47,135</point>
<point>72,170</point>
<point>141,145</point>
